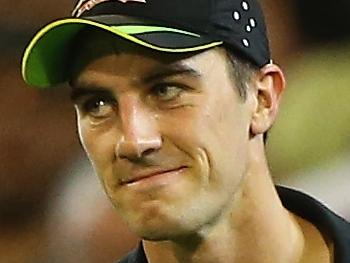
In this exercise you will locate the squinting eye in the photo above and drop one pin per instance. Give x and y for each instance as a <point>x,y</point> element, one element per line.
<point>167,92</point>
<point>98,107</point>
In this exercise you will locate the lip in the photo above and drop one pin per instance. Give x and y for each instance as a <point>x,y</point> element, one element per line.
<point>149,173</point>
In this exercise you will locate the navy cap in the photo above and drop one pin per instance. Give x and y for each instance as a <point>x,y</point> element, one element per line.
<point>166,26</point>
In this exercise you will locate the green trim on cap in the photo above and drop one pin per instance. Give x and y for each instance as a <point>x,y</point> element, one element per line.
<point>137,29</point>
<point>44,60</point>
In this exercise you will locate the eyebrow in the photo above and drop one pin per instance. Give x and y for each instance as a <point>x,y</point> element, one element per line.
<point>170,71</point>
<point>78,92</point>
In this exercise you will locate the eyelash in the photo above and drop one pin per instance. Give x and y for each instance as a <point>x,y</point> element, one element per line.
<point>180,88</point>
<point>90,103</point>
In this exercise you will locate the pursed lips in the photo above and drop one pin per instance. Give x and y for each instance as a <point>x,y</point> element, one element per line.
<point>146,173</point>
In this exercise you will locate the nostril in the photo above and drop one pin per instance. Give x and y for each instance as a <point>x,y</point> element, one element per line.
<point>135,151</point>
<point>148,151</point>
<point>135,148</point>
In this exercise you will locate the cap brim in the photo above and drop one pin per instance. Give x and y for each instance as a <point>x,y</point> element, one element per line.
<point>45,59</point>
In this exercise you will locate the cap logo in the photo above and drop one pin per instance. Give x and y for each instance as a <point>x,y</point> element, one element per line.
<point>86,5</point>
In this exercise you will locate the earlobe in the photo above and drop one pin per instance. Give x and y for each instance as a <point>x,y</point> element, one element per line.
<point>269,86</point>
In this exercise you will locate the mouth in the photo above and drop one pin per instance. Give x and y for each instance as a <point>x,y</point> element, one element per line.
<point>152,174</point>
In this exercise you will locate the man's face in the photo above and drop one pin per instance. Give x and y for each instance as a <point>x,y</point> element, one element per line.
<point>166,134</point>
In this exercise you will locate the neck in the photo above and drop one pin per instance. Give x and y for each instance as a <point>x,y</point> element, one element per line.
<point>255,228</point>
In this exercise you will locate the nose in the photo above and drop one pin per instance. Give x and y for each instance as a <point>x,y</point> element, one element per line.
<point>140,134</point>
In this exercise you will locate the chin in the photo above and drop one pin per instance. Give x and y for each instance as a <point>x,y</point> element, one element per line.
<point>155,238</point>
<point>162,232</point>
<point>154,232</point>
<point>159,237</point>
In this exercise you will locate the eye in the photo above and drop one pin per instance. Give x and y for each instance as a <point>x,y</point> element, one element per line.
<point>167,92</point>
<point>98,107</point>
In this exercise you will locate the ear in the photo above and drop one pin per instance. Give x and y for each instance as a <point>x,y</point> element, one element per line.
<point>269,85</point>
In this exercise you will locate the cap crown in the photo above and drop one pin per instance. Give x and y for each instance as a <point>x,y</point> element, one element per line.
<point>238,23</point>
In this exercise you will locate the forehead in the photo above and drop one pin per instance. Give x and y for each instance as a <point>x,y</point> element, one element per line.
<point>93,45</point>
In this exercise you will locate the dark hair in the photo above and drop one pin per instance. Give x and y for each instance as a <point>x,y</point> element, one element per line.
<point>242,72</point>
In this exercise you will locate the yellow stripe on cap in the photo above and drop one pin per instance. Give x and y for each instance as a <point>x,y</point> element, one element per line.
<point>137,29</point>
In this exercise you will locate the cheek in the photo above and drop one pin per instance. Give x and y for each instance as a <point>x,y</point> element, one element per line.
<point>98,143</point>
<point>214,135</point>
<point>223,133</point>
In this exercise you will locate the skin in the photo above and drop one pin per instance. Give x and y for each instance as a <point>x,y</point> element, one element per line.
<point>180,116</point>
